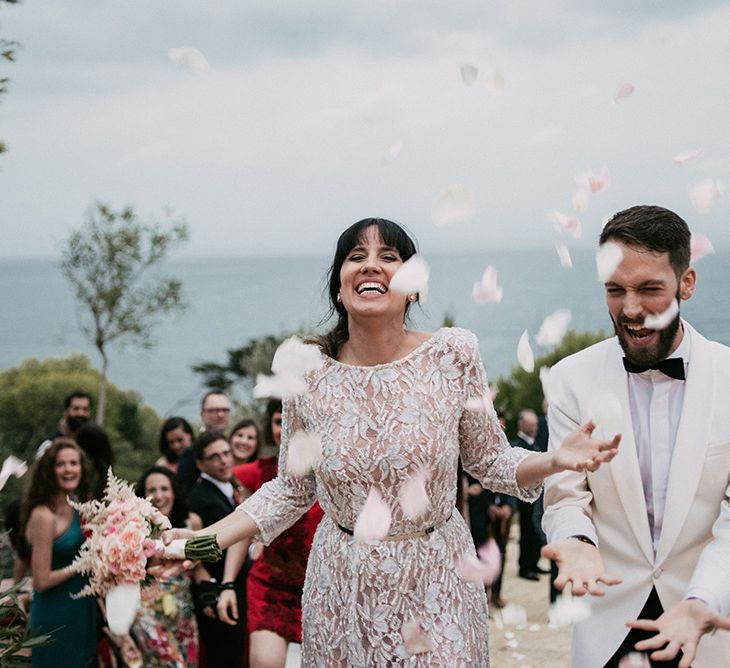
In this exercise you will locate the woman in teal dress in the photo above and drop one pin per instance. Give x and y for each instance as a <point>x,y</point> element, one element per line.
<point>55,535</point>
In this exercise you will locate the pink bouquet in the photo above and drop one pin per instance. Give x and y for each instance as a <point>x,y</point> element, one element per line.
<point>121,534</point>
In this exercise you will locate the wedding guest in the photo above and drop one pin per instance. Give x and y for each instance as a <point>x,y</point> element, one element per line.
<point>165,629</point>
<point>244,442</point>
<point>176,436</point>
<point>53,530</point>
<point>76,412</point>
<point>94,441</point>
<point>386,402</point>
<point>659,515</point>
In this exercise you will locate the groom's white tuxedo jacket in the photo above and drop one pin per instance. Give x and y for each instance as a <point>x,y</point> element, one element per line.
<point>693,552</point>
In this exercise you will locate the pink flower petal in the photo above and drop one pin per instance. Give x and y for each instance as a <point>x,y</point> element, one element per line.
<point>374,520</point>
<point>580,199</point>
<point>623,91</point>
<point>699,245</point>
<point>456,205</point>
<point>705,193</point>
<point>412,276</point>
<point>303,454</point>
<point>414,639</point>
<point>412,495</point>
<point>469,568</point>
<point>487,289</point>
<point>565,223</point>
<point>525,357</point>
<point>688,156</point>
<point>469,73</point>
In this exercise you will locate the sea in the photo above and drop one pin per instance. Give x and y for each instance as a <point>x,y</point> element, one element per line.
<point>232,300</point>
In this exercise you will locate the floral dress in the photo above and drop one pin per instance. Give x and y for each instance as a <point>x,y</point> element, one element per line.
<point>165,628</point>
<point>378,425</point>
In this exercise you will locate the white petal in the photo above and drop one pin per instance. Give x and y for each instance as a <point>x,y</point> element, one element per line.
<point>553,328</point>
<point>705,193</point>
<point>295,357</point>
<point>608,258</point>
<point>605,411</point>
<point>700,246</point>
<point>514,615</point>
<point>469,73</point>
<point>564,223</point>
<point>481,404</point>
<point>564,255</point>
<point>12,466</point>
<point>414,639</point>
<point>494,81</point>
<point>412,495</point>
<point>456,205</point>
<point>487,289</point>
<point>304,453</point>
<point>191,59</point>
<point>374,520</point>
<point>623,91</point>
<point>278,385</point>
<point>122,603</point>
<point>662,320</point>
<point>472,569</point>
<point>580,199</point>
<point>635,660</point>
<point>392,153</point>
<point>412,276</point>
<point>525,358</point>
<point>688,156</point>
<point>568,610</point>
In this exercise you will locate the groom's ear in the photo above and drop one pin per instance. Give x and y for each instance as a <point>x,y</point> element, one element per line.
<point>687,283</point>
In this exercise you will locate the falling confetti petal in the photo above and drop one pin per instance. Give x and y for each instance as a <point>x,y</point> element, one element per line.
<point>599,182</point>
<point>12,466</point>
<point>494,81</point>
<point>305,452</point>
<point>481,404</point>
<point>623,91</point>
<point>662,320</point>
<point>699,245</point>
<point>292,360</point>
<point>568,610</point>
<point>564,255</point>
<point>534,627</point>
<point>456,205</point>
<point>412,495</point>
<point>565,223</point>
<point>414,639</point>
<point>491,557</point>
<point>553,328</point>
<point>191,59</point>
<point>412,277</point>
<point>514,615</point>
<point>688,156</point>
<point>635,660</point>
<point>608,258</point>
<point>472,569</point>
<point>605,411</point>
<point>392,153</point>
<point>469,74</point>
<point>705,193</point>
<point>580,199</point>
<point>487,289</point>
<point>525,358</point>
<point>374,520</point>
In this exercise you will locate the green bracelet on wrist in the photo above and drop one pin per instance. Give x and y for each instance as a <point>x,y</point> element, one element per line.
<point>203,548</point>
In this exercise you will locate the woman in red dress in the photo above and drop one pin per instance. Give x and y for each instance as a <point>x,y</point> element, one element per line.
<point>276,579</point>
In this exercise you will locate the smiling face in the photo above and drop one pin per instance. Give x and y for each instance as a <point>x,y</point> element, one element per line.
<point>365,278</point>
<point>217,460</point>
<point>243,443</point>
<point>68,470</point>
<point>178,439</point>
<point>645,284</point>
<point>158,486</point>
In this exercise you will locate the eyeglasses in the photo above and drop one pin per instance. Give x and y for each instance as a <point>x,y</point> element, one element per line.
<point>218,456</point>
<point>216,410</point>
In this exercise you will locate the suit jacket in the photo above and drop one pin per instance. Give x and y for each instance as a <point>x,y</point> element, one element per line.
<point>212,505</point>
<point>693,553</point>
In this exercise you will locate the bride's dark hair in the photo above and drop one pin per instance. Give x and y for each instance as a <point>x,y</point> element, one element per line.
<point>394,236</point>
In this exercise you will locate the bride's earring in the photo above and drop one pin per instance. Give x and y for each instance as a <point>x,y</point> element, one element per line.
<point>339,298</point>
<point>412,297</point>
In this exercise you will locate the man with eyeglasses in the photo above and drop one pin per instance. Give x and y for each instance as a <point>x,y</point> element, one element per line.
<point>212,498</point>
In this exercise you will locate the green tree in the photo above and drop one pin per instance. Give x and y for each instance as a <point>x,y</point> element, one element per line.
<point>524,390</point>
<point>31,402</point>
<point>109,262</point>
<point>7,53</point>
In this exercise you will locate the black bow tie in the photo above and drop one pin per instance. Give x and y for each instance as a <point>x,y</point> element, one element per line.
<point>674,367</point>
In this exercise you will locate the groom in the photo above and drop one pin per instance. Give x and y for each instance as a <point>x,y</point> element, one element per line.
<point>658,515</point>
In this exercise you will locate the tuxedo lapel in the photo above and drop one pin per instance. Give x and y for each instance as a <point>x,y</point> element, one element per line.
<point>625,466</point>
<point>688,457</point>
<point>215,492</point>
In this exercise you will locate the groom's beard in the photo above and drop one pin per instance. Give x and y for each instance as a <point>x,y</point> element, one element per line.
<point>648,355</point>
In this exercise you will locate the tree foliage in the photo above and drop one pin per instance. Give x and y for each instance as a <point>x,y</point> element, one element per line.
<point>110,263</point>
<point>524,390</point>
<point>31,402</point>
<point>7,53</point>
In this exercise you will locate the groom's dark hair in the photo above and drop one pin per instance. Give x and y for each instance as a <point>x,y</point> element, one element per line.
<point>654,228</point>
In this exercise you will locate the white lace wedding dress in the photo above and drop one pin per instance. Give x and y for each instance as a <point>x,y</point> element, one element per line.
<point>378,425</point>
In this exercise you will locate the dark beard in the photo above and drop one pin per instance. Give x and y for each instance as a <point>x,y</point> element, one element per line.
<point>647,357</point>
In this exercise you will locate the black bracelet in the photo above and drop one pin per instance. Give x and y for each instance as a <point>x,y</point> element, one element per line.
<point>583,539</point>
<point>227,585</point>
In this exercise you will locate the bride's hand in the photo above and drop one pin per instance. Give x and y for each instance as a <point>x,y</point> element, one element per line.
<point>580,452</point>
<point>167,564</point>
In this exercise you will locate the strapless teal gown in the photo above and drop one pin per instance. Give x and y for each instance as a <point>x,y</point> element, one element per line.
<point>72,623</point>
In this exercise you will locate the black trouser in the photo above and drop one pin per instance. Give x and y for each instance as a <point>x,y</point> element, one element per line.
<point>652,610</point>
<point>530,540</point>
<point>224,644</point>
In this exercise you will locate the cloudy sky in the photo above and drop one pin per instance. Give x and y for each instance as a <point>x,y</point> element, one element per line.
<point>281,144</point>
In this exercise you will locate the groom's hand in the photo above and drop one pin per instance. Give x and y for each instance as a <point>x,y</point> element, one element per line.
<point>580,565</point>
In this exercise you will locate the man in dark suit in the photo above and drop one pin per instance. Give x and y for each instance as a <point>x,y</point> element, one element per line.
<point>530,539</point>
<point>214,497</point>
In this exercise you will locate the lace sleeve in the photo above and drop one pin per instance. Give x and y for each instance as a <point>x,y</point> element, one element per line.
<point>485,452</point>
<point>282,501</point>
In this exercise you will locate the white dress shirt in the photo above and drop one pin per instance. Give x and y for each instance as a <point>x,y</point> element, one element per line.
<point>656,406</point>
